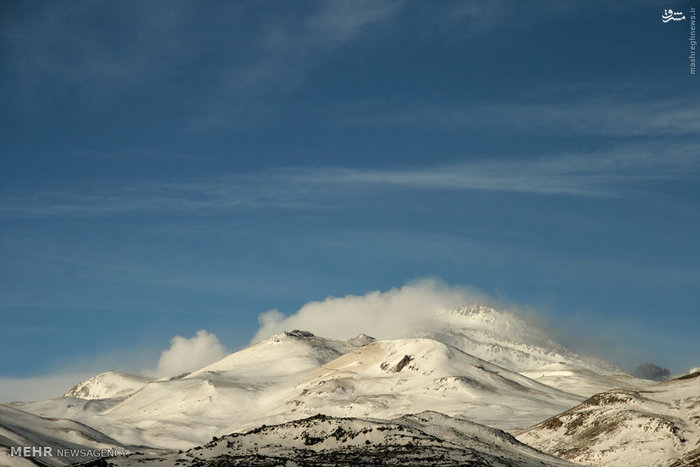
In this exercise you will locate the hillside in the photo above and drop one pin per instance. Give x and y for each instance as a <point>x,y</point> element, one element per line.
<point>425,439</point>
<point>651,427</point>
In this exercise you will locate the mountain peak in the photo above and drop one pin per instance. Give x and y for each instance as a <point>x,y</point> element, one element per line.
<point>506,338</point>
<point>298,334</point>
<point>477,308</point>
<point>480,314</point>
<point>109,384</point>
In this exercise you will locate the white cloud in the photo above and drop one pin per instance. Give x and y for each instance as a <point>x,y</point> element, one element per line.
<point>341,21</point>
<point>384,315</point>
<point>188,354</point>
<point>411,311</point>
<point>285,53</point>
<point>614,172</point>
<point>183,355</point>
<point>608,116</point>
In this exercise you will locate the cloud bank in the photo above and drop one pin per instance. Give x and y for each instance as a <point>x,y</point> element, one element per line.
<point>398,312</point>
<point>413,310</point>
<point>189,354</point>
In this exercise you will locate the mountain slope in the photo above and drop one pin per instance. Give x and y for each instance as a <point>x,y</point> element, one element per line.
<point>18,428</point>
<point>583,381</point>
<point>655,426</point>
<point>108,385</point>
<point>505,339</point>
<point>297,374</point>
<point>425,439</point>
<point>281,355</point>
<point>389,378</point>
<point>240,390</point>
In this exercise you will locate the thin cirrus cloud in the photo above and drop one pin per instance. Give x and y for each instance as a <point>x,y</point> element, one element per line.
<point>287,50</point>
<point>602,117</point>
<point>595,174</point>
<point>59,47</point>
<point>618,172</point>
<point>284,51</point>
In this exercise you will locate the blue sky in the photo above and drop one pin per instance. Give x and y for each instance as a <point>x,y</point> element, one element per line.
<point>174,166</point>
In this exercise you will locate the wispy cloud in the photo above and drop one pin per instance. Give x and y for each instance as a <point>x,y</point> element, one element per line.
<point>593,174</point>
<point>284,52</point>
<point>590,116</point>
<point>412,310</point>
<point>287,49</point>
<point>63,47</point>
<point>617,172</point>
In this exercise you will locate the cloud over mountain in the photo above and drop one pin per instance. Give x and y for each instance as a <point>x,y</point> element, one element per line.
<point>398,312</point>
<point>187,354</point>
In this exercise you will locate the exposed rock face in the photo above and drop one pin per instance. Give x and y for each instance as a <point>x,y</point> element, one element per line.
<point>651,371</point>
<point>298,333</point>
<point>404,361</point>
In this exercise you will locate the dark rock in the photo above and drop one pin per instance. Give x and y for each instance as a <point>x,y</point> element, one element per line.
<point>404,361</point>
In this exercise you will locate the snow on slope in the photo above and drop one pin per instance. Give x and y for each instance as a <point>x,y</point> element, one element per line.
<point>295,374</point>
<point>505,339</point>
<point>240,390</point>
<point>66,407</point>
<point>18,428</point>
<point>88,398</point>
<point>389,378</point>
<point>650,427</point>
<point>281,355</point>
<point>582,381</point>
<point>108,385</point>
<point>425,439</point>
<point>292,375</point>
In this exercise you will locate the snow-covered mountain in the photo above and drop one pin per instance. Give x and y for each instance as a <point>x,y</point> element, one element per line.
<point>424,439</point>
<point>510,341</point>
<point>479,364</point>
<point>111,384</point>
<point>583,381</point>
<point>296,374</point>
<point>389,378</point>
<point>651,427</point>
<point>281,355</point>
<point>505,339</point>
<point>236,392</point>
